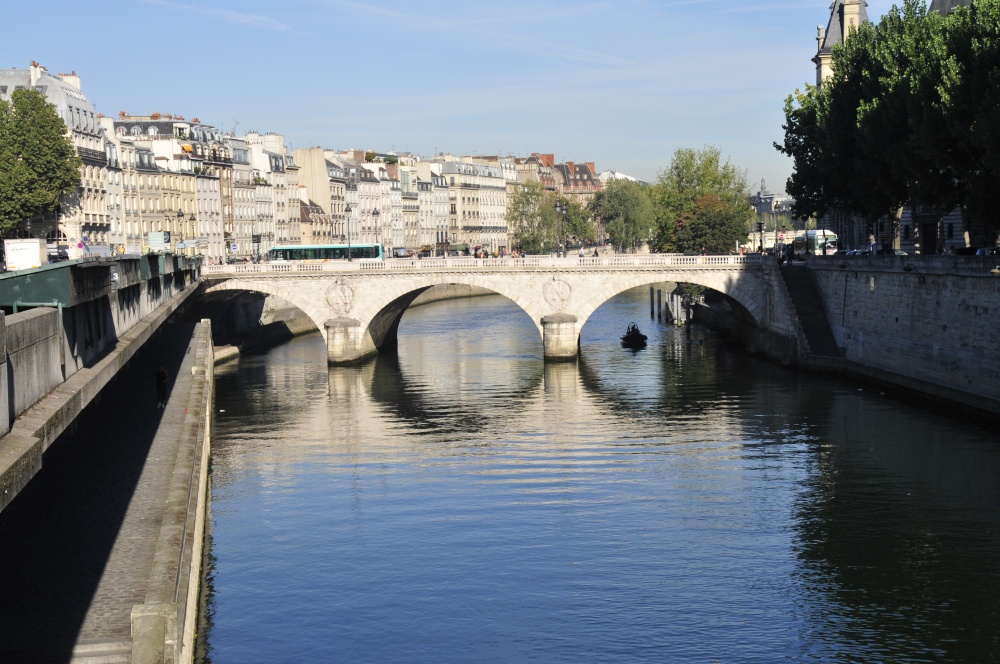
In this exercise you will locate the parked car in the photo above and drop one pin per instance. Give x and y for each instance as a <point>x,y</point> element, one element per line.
<point>988,251</point>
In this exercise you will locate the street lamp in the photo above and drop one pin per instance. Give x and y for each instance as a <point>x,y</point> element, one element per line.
<point>347,224</point>
<point>180,224</point>
<point>376,214</point>
<point>561,209</point>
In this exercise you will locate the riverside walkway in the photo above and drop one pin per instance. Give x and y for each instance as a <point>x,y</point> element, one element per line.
<point>83,541</point>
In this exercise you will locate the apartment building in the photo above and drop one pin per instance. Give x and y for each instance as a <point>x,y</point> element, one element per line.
<point>83,223</point>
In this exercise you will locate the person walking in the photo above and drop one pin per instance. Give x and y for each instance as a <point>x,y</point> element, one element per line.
<point>161,377</point>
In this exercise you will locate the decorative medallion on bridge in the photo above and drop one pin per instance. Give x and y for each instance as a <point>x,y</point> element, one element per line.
<point>340,297</point>
<point>556,293</point>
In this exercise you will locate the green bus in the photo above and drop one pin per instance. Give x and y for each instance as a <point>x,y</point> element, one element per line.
<point>326,252</point>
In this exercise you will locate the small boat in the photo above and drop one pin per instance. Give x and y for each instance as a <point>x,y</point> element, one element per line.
<point>633,338</point>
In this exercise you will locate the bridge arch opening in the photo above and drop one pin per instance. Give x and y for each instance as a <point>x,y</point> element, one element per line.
<point>238,313</point>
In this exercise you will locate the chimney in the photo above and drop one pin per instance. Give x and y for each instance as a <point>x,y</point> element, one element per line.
<point>72,79</point>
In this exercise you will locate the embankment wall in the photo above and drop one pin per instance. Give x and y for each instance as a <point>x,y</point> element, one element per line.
<point>929,324</point>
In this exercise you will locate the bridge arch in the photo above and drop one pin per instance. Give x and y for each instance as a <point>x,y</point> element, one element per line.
<point>317,314</point>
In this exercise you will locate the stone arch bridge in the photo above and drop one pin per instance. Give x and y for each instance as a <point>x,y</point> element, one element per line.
<point>358,305</point>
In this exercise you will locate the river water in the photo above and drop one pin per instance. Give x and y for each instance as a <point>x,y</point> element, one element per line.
<point>464,501</point>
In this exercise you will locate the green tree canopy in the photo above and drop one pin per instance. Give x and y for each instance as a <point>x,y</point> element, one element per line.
<point>532,218</point>
<point>579,223</point>
<point>680,191</point>
<point>624,210</point>
<point>711,225</point>
<point>38,164</point>
<point>910,115</point>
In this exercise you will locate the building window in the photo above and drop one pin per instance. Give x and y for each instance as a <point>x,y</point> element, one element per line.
<point>951,231</point>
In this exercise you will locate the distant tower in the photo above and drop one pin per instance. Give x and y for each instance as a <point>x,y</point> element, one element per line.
<point>845,15</point>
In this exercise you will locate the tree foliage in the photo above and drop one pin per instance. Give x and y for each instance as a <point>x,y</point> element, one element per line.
<point>712,225</point>
<point>532,218</point>
<point>700,188</point>
<point>911,115</point>
<point>579,222</point>
<point>625,211</point>
<point>38,164</point>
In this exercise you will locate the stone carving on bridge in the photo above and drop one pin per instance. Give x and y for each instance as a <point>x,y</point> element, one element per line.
<point>340,297</point>
<point>557,293</point>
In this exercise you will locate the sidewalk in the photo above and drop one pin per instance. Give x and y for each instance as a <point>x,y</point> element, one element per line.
<point>79,541</point>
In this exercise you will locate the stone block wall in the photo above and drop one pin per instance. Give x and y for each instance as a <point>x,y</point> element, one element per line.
<point>33,340</point>
<point>927,323</point>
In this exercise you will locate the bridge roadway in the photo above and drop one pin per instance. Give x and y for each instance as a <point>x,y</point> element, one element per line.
<point>357,305</point>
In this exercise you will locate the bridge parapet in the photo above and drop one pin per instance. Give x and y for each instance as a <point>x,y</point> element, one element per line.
<point>622,261</point>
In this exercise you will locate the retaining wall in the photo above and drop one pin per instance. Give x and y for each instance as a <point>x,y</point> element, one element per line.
<point>930,324</point>
<point>33,345</point>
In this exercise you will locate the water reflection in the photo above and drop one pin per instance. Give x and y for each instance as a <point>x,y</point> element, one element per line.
<point>463,500</point>
<point>899,534</point>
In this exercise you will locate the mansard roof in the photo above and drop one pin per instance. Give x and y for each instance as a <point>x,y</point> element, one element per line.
<point>945,7</point>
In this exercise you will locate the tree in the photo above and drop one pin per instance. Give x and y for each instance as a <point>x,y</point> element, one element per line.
<point>624,210</point>
<point>38,164</point>
<point>910,116</point>
<point>531,215</point>
<point>712,225</point>
<point>861,142</point>
<point>970,100</point>
<point>579,222</point>
<point>680,189</point>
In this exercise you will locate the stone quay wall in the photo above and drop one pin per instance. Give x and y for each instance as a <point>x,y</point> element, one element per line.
<point>928,324</point>
<point>33,367</point>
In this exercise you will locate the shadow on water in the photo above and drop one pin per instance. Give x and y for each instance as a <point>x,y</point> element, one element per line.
<point>899,533</point>
<point>58,533</point>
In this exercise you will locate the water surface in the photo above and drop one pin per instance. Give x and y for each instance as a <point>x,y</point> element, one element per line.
<point>464,501</point>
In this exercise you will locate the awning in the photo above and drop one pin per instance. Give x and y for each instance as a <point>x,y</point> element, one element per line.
<point>187,147</point>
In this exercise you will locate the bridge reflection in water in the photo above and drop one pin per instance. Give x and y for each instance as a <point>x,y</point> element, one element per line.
<point>462,500</point>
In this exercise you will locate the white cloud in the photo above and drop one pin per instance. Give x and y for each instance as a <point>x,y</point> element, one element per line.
<point>226,15</point>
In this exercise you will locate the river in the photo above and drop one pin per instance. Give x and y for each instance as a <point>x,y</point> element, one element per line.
<point>464,501</point>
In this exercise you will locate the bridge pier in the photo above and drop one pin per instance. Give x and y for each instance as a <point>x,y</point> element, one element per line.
<point>347,341</point>
<point>559,337</point>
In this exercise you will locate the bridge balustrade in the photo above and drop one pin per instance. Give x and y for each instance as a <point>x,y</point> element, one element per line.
<point>430,264</point>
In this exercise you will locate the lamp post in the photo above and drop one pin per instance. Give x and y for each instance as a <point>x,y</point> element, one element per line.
<point>194,231</point>
<point>180,224</point>
<point>347,228</point>
<point>561,209</point>
<point>375,215</point>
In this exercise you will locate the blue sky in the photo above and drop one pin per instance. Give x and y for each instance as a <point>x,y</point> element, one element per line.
<point>622,84</point>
